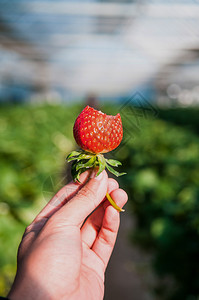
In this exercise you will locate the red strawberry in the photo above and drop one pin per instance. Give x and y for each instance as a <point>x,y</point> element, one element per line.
<point>97,132</point>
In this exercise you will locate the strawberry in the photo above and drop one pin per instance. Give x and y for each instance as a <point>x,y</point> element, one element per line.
<point>96,133</point>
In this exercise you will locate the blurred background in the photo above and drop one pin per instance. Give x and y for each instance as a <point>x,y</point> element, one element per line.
<point>140,58</point>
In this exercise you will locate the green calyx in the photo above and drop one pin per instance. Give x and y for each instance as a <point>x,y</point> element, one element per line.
<point>83,161</point>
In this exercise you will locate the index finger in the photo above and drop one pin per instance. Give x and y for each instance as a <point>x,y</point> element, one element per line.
<point>62,197</point>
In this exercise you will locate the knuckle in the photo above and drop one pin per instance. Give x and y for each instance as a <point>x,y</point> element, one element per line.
<point>28,229</point>
<point>35,226</point>
<point>86,193</point>
<point>106,240</point>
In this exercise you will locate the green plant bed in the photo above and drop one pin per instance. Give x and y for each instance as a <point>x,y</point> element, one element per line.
<point>162,163</point>
<point>185,117</point>
<point>34,144</point>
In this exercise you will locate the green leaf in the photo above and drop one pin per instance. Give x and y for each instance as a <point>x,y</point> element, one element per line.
<point>75,174</point>
<point>73,153</point>
<point>76,178</point>
<point>113,162</point>
<point>78,155</point>
<point>88,164</point>
<point>72,158</point>
<point>114,172</point>
<point>84,156</point>
<point>81,162</point>
<point>101,163</point>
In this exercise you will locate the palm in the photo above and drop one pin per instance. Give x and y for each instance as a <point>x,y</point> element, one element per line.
<point>91,267</point>
<point>91,276</point>
<point>91,257</point>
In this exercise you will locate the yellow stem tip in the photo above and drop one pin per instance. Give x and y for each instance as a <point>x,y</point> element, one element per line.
<point>112,202</point>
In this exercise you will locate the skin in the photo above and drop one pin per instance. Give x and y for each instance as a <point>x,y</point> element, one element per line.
<point>65,251</point>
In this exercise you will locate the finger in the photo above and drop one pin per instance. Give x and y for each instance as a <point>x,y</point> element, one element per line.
<point>61,197</point>
<point>91,227</point>
<point>104,243</point>
<point>75,211</point>
<point>112,185</point>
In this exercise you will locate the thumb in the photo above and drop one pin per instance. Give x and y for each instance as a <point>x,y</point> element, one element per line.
<point>75,211</point>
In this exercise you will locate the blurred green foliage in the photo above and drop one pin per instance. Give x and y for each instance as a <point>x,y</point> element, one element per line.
<point>34,143</point>
<point>185,117</point>
<point>162,163</point>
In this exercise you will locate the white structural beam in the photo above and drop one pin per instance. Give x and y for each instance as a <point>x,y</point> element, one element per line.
<point>106,9</point>
<point>80,8</point>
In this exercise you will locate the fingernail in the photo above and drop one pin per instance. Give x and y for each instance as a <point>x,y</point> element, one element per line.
<point>100,176</point>
<point>93,174</point>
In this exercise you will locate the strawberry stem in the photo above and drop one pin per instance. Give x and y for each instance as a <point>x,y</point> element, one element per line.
<point>112,202</point>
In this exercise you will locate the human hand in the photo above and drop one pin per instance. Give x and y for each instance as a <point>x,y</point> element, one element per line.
<point>65,251</point>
